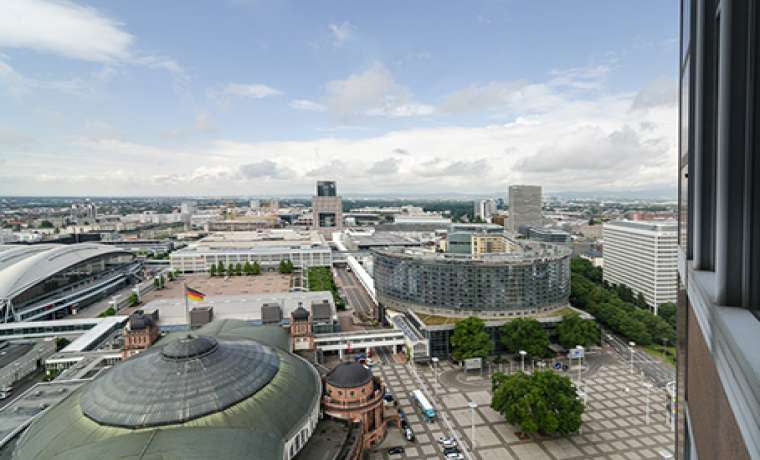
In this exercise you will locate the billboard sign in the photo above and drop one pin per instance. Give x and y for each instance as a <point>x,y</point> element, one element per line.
<point>473,363</point>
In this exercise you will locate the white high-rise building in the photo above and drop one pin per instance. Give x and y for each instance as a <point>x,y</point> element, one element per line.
<point>485,209</point>
<point>643,256</point>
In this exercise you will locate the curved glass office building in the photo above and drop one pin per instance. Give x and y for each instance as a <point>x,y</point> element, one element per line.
<point>533,278</point>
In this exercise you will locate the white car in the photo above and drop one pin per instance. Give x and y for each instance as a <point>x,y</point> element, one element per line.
<point>445,439</point>
<point>455,456</point>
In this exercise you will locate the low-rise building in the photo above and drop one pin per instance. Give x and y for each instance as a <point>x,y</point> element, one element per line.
<point>352,393</point>
<point>267,248</point>
<point>141,332</point>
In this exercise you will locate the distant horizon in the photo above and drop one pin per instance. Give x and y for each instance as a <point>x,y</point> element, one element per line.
<point>646,194</point>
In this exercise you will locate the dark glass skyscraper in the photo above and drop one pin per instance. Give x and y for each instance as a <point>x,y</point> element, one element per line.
<point>719,231</point>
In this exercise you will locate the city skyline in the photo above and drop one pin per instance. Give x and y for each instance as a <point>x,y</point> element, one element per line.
<point>267,97</point>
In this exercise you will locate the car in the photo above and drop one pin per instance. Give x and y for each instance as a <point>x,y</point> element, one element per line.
<point>408,433</point>
<point>388,397</point>
<point>396,450</point>
<point>450,450</point>
<point>449,444</point>
<point>455,456</point>
<point>445,439</point>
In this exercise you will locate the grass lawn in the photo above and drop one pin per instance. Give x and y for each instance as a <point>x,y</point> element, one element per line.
<point>656,351</point>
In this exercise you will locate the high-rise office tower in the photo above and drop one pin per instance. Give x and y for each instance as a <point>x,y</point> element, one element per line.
<point>643,256</point>
<point>327,207</point>
<point>485,209</point>
<point>525,207</point>
<point>718,377</point>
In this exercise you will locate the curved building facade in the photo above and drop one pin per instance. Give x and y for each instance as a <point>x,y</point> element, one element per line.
<point>533,278</point>
<point>352,393</point>
<point>46,281</point>
<point>228,391</point>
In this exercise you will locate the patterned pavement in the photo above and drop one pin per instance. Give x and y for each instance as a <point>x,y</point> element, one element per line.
<point>614,425</point>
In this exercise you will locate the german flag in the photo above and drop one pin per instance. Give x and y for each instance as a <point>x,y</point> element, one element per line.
<point>194,295</point>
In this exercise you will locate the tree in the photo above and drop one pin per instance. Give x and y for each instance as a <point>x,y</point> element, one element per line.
<point>667,311</point>
<point>289,266</point>
<point>238,269</point>
<point>230,270</point>
<point>573,330</point>
<point>133,300</point>
<point>46,224</point>
<point>61,343</point>
<point>156,283</point>
<point>283,268</point>
<point>544,402</point>
<point>470,339</point>
<point>247,269</point>
<point>641,301</point>
<point>256,268</point>
<point>212,270</point>
<point>220,268</point>
<point>525,334</point>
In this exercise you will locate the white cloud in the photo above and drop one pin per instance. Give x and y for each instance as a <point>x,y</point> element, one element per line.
<point>658,92</point>
<point>373,92</point>
<point>384,167</point>
<point>557,138</point>
<point>242,90</point>
<point>63,28</point>
<point>341,32</point>
<point>305,104</point>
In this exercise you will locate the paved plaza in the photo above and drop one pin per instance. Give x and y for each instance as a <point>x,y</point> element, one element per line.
<point>614,425</point>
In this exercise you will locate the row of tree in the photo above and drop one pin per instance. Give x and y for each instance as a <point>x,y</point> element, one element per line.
<point>471,339</point>
<point>235,270</point>
<point>636,323</point>
<point>321,279</point>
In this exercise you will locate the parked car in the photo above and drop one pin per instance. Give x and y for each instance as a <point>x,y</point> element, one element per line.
<point>450,450</point>
<point>445,439</point>
<point>455,456</point>
<point>396,450</point>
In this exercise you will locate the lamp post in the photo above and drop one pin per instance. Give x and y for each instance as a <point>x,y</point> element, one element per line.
<point>522,358</point>
<point>435,371</point>
<point>648,386</point>
<point>472,405</point>
<point>630,347</point>
<point>580,361</point>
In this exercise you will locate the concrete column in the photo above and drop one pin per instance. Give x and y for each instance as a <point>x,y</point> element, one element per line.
<point>340,354</point>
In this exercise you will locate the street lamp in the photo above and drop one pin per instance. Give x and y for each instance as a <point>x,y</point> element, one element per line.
<point>472,405</point>
<point>435,370</point>
<point>522,357</point>
<point>648,386</point>
<point>580,361</point>
<point>630,347</point>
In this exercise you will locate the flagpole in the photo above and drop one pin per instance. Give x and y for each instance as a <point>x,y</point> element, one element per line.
<point>187,308</point>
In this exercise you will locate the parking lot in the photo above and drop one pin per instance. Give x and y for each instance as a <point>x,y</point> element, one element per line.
<point>615,425</point>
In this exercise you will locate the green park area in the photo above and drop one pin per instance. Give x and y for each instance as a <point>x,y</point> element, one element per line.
<point>321,279</point>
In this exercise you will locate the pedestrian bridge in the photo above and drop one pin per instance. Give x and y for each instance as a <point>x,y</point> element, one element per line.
<point>360,340</point>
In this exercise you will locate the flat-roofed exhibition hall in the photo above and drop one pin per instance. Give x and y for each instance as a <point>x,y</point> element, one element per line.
<point>46,281</point>
<point>532,278</point>
<point>226,391</point>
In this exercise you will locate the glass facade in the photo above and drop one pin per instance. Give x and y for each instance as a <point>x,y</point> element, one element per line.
<point>467,284</point>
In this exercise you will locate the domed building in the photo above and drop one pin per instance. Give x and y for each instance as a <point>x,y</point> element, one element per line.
<point>227,391</point>
<point>353,393</point>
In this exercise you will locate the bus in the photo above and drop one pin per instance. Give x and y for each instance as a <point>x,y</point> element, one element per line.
<point>424,405</point>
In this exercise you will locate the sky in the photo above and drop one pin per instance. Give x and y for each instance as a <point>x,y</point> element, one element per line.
<point>265,97</point>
